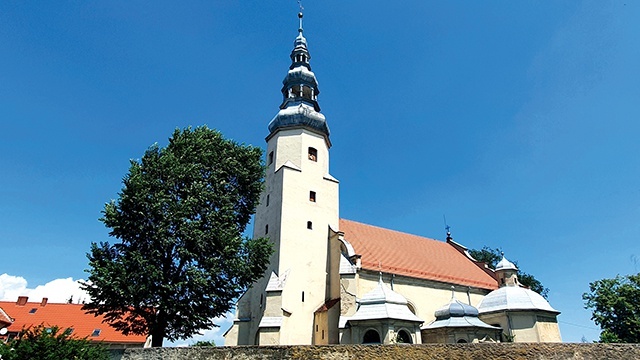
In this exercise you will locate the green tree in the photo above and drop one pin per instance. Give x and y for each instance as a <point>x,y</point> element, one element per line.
<point>182,259</point>
<point>615,305</point>
<point>51,343</point>
<point>204,343</point>
<point>492,256</point>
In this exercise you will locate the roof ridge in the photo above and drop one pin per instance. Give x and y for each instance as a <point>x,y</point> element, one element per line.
<point>392,230</point>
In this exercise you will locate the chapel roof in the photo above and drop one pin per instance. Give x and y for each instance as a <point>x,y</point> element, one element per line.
<point>457,314</point>
<point>414,256</point>
<point>514,298</point>
<point>383,303</point>
<point>505,264</point>
<point>65,316</point>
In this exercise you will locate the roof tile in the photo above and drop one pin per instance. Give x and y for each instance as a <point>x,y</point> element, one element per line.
<point>414,256</point>
<point>65,316</point>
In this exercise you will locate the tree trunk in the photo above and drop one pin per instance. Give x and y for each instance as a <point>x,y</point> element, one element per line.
<point>157,337</point>
<point>158,330</point>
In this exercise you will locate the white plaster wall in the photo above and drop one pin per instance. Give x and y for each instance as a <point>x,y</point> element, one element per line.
<point>301,251</point>
<point>426,296</point>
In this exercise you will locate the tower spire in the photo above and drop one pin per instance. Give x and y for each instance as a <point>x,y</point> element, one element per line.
<point>300,91</point>
<point>300,15</point>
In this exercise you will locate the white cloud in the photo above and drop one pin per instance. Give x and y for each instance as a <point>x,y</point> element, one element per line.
<point>214,334</point>
<point>57,291</point>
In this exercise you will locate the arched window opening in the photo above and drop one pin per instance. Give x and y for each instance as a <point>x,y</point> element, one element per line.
<point>295,89</point>
<point>461,341</point>
<point>371,337</point>
<point>307,93</point>
<point>270,160</point>
<point>266,229</point>
<point>309,225</point>
<point>267,200</point>
<point>313,154</point>
<point>403,337</point>
<point>312,196</point>
<point>411,308</point>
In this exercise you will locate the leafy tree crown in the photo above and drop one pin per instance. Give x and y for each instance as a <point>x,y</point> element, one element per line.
<point>181,259</point>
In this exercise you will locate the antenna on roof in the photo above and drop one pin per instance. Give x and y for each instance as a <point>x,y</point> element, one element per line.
<point>447,227</point>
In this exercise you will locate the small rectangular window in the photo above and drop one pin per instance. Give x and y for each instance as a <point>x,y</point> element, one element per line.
<point>309,225</point>
<point>313,154</point>
<point>95,333</point>
<point>312,196</point>
<point>270,158</point>
<point>303,296</point>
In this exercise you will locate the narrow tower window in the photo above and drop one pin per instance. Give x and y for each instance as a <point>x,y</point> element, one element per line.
<point>309,225</point>
<point>312,196</point>
<point>303,296</point>
<point>313,154</point>
<point>270,160</point>
<point>267,204</point>
<point>266,229</point>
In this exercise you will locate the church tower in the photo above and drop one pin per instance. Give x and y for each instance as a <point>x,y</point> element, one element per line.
<point>298,212</point>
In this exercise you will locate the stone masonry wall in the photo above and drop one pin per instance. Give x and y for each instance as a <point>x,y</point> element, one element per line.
<point>509,351</point>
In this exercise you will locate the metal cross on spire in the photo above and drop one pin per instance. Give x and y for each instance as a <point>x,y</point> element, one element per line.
<point>447,227</point>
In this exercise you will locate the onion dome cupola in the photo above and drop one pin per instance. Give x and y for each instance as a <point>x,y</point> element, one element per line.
<point>300,91</point>
<point>384,303</point>
<point>507,273</point>
<point>457,314</point>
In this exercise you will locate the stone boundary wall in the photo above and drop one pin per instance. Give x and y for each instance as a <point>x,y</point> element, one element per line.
<point>511,351</point>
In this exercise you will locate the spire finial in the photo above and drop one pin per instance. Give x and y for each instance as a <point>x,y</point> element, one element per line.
<point>300,15</point>
<point>453,292</point>
<point>447,227</point>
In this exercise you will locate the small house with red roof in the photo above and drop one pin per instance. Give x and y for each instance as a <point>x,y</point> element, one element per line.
<point>65,316</point>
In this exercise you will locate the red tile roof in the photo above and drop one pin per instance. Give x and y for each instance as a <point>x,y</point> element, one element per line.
<point>65,316</point>
<point>415,256</point>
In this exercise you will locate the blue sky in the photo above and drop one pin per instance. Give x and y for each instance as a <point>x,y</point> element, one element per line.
<point>517,120</point>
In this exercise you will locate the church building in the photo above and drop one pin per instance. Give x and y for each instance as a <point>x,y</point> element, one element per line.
<point>338,281</point>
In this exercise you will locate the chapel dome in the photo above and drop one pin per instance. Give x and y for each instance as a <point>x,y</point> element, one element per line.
<point>509,298</point>
<point>505,264</point>
<point>456,309</point>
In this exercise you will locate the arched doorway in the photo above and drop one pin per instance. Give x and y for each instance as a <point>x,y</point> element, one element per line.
<point>371,337</point>
<point>403,337</point>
